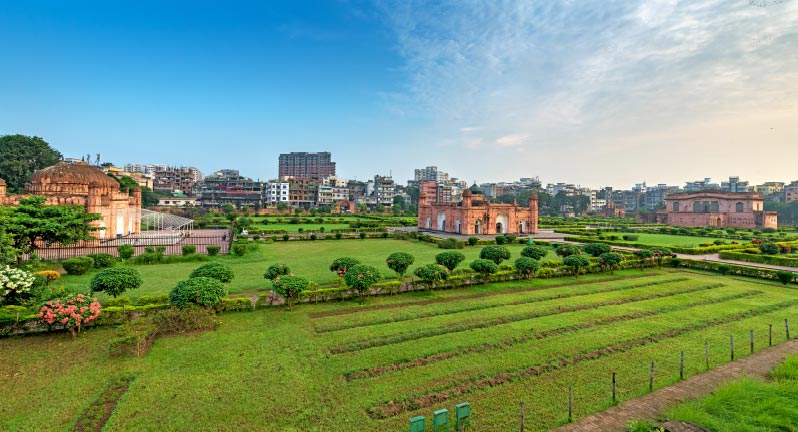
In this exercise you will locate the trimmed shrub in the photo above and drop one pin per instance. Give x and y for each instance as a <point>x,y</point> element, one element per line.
<point>286,237</point>
<point>102,260</point>
<point>724,269</point>
<point>184,320</point>
<point>627,237</point>
<point>534,252</point>
<point>610,260</point>
<point>500,239</point>
<point>769,248</point>
<point>125,251</point>
<point>432,273</point>
<point>362,235</point>
<point>399,262</point>
<point>785,277</point>
<point>188,249</point>
<point>576,262</point>
<point>451,243</point>
<point>290,287</point>
<point>221,272</point>
<point>566,250</point>
<point>484,267</point>
<point>239,248</point>
<point>497,254</point>
<point>450,260</point>
<point>361,278</point>
<point>115,280</point>
<point>276,270</point>
<point>472,241</point>
<point>78,265</point>
<point>343,264</point>
<point>597,249</point>
<point>510,238</point>
<point>213,250</point>
<point>202,291</point>
<point>338,236</point>
<point>526,266</point>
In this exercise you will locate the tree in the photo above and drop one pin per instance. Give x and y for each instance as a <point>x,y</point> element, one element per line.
<point>148,197</point>
<point>534,252</point>
<point>282,206</point>
<point>565,250</point>
<point>379,208</point>
<point>610,260</point>
<point>343,264</point>
<point>576,262</point>
<point>432,274</point>
<point>597,249</point>
<point>660,253</point>
<point>221,272</point>
<point>769,248</point>
<point>32,221</point>
<point>203,291</point>
<point>643,255</point>
<point>450,259</point>
<point>290,287</point>
<point>485,267</point>
<point>8,252</point>
<point>22,156</point>
<point>115,280</point>
<point>361,277</point>
<point>399,262</point>
<point>527,266</point>
<point>496,254</point>
<point>276,270</point>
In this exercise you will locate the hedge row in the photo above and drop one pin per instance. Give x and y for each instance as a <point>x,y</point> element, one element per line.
<point>731,269</point>
<point>676,249</point>
<point>761,259</point>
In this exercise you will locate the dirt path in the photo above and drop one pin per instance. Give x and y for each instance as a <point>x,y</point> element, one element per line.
<point>654,404</point>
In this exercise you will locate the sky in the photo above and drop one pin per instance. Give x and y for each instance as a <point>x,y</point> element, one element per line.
<point>596,93</point>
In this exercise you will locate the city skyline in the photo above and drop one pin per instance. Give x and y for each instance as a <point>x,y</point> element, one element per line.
<point>587,93</point>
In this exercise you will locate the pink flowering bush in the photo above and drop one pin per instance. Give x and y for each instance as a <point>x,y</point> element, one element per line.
<point>71,312</point>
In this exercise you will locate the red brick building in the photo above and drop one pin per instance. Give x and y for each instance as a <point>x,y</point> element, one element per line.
<point>719,209</point>
<point>476,215</point>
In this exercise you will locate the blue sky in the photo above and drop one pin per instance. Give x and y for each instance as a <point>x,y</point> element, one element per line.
<point>590,92</point>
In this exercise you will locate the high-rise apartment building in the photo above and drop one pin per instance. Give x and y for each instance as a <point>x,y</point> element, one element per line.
<point>317,165</point>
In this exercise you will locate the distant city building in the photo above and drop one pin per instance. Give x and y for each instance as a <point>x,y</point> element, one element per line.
<point>276,192</point>
<point>430,173</point>
<point>229,187</point>
<point>719,209</point>
<point>791,192</point>
<point>384,190</point>
<point>302,192</point>
<point>477,215</point>
<point>734,185</point>
<point>177,180</point>
<point>318,165</point>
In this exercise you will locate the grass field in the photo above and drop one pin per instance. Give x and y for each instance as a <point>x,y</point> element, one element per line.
<point>343,366</point>
<point>311,260</point>
<point>292,228</point>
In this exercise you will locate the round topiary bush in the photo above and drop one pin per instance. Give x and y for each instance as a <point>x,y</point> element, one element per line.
<point>450,260</point>
<point>221,272</point>
<point>500,239</point>
<point>484,267</point>
<point>116,280</point>
<point>534,252</point>
<point>202,291</point>
<point>399,262</point>
<point>213,250</point>
<point>125,251</point>
<point>78,265</point>
<point>526,266</point>
<point>497,254</point>
<point>188,249</point>
<point>276,270</point>
<point>239,248</point>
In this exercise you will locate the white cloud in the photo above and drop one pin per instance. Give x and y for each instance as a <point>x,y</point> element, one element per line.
<point>511,140</point>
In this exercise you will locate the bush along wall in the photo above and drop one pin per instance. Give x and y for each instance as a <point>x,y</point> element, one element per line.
<point>760,259</point>
<point>676,249</point>
<point>731,269</point>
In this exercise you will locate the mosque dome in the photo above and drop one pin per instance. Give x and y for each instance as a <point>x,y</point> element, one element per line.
<point>475,189</point>
<point>73,174</point>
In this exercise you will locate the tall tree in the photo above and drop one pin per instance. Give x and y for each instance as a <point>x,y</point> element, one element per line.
<point>32,223</point>
<point>21,156</point>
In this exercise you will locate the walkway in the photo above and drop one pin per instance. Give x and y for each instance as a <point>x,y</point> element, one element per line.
<point>653,405</point>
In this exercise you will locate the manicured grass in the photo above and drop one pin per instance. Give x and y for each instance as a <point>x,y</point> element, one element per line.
<point>747,405</point>
<point>309,259</point>
<point>521,341</point>
<point>667,240</point>
<point>293,228</point>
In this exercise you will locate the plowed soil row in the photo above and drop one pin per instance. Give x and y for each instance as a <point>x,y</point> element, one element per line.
<point>379,370</point>
<point>400,405</point>
<point>95,416</point>
<point>347,326</point>
<point>469,296</point>
<point>457,327</point>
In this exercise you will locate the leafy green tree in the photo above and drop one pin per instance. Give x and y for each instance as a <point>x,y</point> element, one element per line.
<point>527,266</point>
<point>379,208</point>
<point>432,274</point>
<point>643,255</point>
<point>21,156</point>
<point>785,277</point>
<point>202,291</point>
<point>450,259</point>
<point>610,260</point>
<point>32,223</point>
<point>400,262</point>
<point>276,270</point>
<point>660,253</point>
<point>361,277</point>
<point>565,250</point>
<point>116,280</point>
<point>497,254</point>
<point>534,252</point>
<point>221,272</point>
<point>485,267</point>
<point>148,197</point>
<point>343,264</point>
<point>596,249</point>
<point>290,287</point>
<point>576,262</point>
<point>8,252</point>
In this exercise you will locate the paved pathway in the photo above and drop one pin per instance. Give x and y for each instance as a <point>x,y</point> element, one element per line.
<point>653,405</point>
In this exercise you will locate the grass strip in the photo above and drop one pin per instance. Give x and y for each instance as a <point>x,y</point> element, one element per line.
<point>397,406</point>
<point>470,296</point>
<point>476,307</point>
<point>432,358</point>
<point>462,326</point>
<point>94,417</point>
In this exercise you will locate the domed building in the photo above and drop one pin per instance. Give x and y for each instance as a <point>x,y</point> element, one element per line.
<point>84,185</point>
<point>477,215</point>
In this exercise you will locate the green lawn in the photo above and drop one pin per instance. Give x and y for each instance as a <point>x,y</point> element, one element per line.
<point>308,259</point>
<point>667,240</point>
<point>292,228</point>
<point>343,366</point>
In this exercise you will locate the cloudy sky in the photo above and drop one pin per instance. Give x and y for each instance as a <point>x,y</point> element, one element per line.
<point>588,92</point>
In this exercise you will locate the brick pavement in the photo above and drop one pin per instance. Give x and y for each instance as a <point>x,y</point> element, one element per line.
<point>654,404</point>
